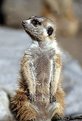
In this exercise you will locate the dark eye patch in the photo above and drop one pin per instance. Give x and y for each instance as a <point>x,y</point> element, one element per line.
<point>35,22</point>
<point>50,30</point>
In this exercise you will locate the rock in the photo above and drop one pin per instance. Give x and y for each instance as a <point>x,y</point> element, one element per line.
<point>67,13</point>
<point>5,114</point>
<point>62,12</point>
<point>77,6</point>
<point>17,10</point>
<point>2,18</point>
<point>72,76</point>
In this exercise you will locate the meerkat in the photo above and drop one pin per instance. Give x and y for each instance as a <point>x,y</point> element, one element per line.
<point>40,96</point>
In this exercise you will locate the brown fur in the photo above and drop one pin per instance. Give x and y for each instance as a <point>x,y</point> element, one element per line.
<point>23,105</point>
<point>20,103</point>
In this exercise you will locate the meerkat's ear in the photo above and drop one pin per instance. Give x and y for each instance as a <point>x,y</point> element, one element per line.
<point>50,31</point>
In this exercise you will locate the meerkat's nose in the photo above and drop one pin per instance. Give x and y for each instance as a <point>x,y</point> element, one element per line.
<point>23,22</point>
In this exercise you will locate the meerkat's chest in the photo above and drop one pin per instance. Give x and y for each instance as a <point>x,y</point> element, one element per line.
<point>42,68</point>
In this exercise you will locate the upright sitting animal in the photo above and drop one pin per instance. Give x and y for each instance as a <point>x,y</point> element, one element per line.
<point>40,96</point>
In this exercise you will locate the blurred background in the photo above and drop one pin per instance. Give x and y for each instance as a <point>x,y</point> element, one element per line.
<point>14,41</point>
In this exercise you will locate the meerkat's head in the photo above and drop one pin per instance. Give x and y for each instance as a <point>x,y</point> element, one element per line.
<point>39,28</point>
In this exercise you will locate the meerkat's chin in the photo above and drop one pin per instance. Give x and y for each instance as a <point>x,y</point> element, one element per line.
<point>33,37</point>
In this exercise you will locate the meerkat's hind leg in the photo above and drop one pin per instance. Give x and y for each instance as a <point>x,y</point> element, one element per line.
<point>22,108</point>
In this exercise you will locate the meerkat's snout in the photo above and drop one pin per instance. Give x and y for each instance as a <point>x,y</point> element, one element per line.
<point>23,22</point>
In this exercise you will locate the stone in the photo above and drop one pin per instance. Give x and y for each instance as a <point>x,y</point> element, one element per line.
<point>67,13</point>
<point>62,12</point>
<point>5,114</point>
<point>17,10</point>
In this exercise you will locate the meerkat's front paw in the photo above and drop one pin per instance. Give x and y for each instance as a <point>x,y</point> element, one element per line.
<point>57,118</point>
<point>52,99</point>
<point>51,109</point>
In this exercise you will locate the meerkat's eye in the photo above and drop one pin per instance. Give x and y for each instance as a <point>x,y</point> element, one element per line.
<point>50,30</point>
<point>35,22</point>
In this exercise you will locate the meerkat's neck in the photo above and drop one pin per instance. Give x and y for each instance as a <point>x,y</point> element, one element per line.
<point>47,44</point>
